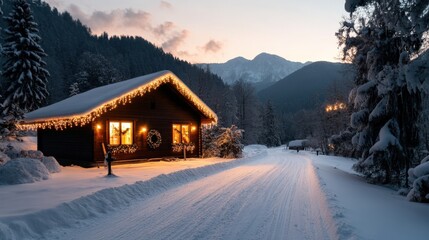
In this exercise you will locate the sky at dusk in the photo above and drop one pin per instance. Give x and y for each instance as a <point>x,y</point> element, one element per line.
<point>201,31</point>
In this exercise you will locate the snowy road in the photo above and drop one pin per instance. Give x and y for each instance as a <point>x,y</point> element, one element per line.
<point>274,197</point>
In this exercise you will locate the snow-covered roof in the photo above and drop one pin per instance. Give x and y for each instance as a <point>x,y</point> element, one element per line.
<point>298,143</point>
<point>83,108</point>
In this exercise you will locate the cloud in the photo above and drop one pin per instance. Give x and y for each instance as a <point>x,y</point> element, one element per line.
<point>168,35</point>
<point>172,44</point>
<point>165,5</point>
<point>212,46</point>
<point>164,29</point>
<point>140,19</point>
<point>117,19</point>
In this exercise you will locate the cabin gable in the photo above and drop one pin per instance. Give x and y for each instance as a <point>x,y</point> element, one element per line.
<point>157,110</point>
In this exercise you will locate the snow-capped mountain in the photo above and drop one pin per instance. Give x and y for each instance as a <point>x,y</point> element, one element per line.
<point>265,67</point>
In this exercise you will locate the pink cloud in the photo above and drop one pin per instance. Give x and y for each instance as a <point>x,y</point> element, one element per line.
<point>212,46</point>
<point>100,21</point>
<point>172,44</point>
<point>164,29</point>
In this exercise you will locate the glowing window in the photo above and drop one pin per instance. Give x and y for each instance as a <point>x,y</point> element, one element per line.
<point>181,133</point>
<point>185,133</point>
<point>120,133</point>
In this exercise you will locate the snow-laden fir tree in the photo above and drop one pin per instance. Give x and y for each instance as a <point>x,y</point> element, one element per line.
<point>209,136</point>
<point>74,89</point>
<point>381,38</point>
<point>1,52</point>
<point>23,70</point>
<point>419,179</point>
<point>269,135</point>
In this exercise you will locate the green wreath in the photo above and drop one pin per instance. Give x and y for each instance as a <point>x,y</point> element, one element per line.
<point>154,139</point>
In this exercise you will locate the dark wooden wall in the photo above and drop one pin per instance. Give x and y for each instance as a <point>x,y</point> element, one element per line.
<point>157,110</point>
<point>68,146</point>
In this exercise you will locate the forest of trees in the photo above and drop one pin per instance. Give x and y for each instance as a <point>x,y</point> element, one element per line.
<point>78,61</point>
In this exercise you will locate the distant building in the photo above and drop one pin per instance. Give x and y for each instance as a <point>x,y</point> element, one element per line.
<point>298,144</point>
<point>142,118</point>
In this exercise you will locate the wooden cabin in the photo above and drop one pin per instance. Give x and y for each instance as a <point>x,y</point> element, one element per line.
<point>148,117</point>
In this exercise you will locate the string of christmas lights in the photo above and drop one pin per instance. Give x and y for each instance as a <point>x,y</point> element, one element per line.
<point>81,120</point>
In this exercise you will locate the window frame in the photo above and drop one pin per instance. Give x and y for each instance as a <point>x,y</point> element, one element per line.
<point>121,135</point>
<point>181,127</point>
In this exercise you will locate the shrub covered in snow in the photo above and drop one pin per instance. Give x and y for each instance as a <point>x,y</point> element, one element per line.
<point>51,164</point>
<point>23,170</point>
<point>342,143</point>
<point>229,142</point>
<point>222,142</point>
<point>419,178</point>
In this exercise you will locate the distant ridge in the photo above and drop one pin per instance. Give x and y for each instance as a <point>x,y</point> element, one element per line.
<point>310,87</point>
<point>264,69</point>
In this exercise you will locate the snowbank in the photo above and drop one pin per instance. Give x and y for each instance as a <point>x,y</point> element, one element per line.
<point>23,170</point>
<point>20,163</point>
<point>252,150</point>
<point>36,225</point>
<point>51,164</point>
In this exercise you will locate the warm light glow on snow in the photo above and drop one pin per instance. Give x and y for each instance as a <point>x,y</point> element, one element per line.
<point>335,107</point>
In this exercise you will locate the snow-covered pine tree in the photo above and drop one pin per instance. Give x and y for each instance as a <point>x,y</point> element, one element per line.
<point>74,89</point>
<point>23,69</point>
<point>209,136</point>
<point>1,52</point>
<point>269,131</point>
<point>419,182</point>
<point>380,38</point>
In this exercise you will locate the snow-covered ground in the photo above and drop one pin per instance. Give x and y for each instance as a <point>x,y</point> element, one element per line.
<point>270,194</point>
<point>367,211</point>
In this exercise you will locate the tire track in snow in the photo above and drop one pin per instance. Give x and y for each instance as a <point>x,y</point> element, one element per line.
<point>104,202</point>
<point>274,197</point>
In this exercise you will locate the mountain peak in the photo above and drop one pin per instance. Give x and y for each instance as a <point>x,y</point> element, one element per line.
<point>265,55</point>
<point>237,60</point>
<point>264,68</point>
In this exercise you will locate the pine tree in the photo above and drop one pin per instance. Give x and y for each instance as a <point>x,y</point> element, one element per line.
<point>74,89</point>
<point>247,115</point>
<point>380,38</point>
<point>209,136</point>
<point>23,70</point>
<point>270,131</point>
